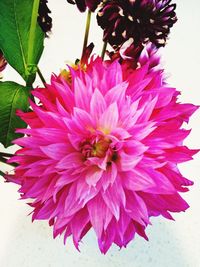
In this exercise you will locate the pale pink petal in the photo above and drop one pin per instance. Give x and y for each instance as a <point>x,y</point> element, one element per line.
<point>96,209</point>
<point>128,162</point>
<point>114,198</point>
<point>97,105</point>
<point>109,119</point>
<point>116,94</point>
<point>138,180</point>
<point>93,175</point>
<point>83,119</point>
<point>72,160</point>
<point>56,151</point>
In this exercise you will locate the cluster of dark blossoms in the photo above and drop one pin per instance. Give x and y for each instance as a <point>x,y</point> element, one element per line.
<point>143,20</point>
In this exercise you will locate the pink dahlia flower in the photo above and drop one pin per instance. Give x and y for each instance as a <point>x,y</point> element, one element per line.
<point>101,152</point>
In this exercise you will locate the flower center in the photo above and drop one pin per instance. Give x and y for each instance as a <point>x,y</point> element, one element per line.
<point>95,147</point>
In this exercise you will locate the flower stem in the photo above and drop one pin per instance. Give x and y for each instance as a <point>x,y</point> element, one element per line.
<point>32,32</point>
<point>87,29</point>
<point>104,49</point>
<point>41,76</point>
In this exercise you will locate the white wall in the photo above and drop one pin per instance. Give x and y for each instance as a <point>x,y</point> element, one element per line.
<point>171,244</point>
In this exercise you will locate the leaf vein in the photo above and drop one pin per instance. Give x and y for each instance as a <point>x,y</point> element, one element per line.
<point>19,35</point>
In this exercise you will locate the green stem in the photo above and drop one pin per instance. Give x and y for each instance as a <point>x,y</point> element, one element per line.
<point>87,29</point>
<point>31,40</point>
<point>41,77</point>
<point>104,49</point>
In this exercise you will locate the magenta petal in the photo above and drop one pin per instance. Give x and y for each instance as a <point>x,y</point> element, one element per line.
<point>109,118</point>
<point>95,209</point>
<point>113,199</point>
<point>109,176</point>
<point>128,162</point>
<point>81,94</point>
<point>107,238</point>
<point>138,180</point>
<point>78,223</point>
<point>93,175</point>
<point>97,104</point>
<point>83,118</point>
<point>116,94</point>
<point>136,208</point>
<point>56,151</point>
<point>73,160</point>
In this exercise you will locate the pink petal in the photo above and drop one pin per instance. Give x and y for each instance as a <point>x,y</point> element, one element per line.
<point>56,151</point>
<point>128,162</point>
<point>93,175</point>
<point>73,160</point>
<point>136,208</point>
<point>109,118</point>
<point>138,181</point>
<point>97,105</point>
<point>116,94</point>
<point>83,119</point>
<point>114,198</point>
<point>80,220</point>
<point>95,208</point>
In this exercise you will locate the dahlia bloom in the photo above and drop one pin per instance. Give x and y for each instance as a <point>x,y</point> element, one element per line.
<point>102,151</point>
<point>142,20</point>
<point>132,57</point>
<point>83,4</point>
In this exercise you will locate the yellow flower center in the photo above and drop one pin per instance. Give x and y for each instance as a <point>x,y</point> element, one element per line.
<point>94,148</point>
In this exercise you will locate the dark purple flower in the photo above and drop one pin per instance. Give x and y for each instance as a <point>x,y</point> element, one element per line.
<point>44,20</point>
<point>83,4</point>
<point>142,20</point>
<point>136,57</point>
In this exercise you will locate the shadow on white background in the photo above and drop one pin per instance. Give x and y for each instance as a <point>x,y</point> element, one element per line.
<point>171,244</point>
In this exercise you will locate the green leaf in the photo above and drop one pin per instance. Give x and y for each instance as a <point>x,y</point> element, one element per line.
<point>12,97</point>
<point>17,28</point>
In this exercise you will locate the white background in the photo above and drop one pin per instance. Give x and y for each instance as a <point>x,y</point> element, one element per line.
<point>171,244</point>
